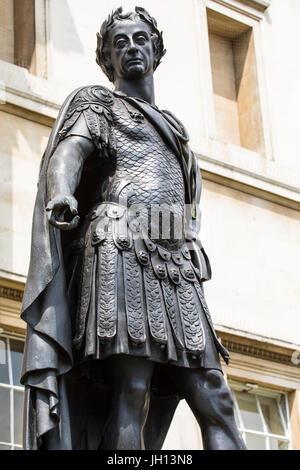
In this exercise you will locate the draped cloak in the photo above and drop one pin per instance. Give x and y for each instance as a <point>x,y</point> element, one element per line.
<point>62,411</point>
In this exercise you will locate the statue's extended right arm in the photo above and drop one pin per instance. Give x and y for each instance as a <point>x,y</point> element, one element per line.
<point>63,176</point>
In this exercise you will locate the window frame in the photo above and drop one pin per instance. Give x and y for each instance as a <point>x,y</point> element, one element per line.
<point>21,90</point>
<point>41,30</point>
<point>11,387</point>
<point>233,166</point>
<point>244,15</point>
<point>259,391</point>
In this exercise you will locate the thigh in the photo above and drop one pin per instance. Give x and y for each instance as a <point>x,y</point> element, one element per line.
<point>123,368</point>
<point>205,390</point>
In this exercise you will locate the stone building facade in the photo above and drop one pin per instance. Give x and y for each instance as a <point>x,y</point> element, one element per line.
<point>236,86</point>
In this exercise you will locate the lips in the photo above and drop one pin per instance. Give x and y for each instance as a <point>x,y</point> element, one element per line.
<point>134,61</point>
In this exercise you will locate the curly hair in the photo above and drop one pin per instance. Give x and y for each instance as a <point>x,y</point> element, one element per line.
<point>139,14</point>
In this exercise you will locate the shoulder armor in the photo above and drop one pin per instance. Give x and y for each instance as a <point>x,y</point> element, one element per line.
<point>94,95</point>
<point>175,123</point>
<point>95,103</point>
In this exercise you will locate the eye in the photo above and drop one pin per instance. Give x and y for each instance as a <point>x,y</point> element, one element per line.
<point>141,40</point>
<point>120,43</point>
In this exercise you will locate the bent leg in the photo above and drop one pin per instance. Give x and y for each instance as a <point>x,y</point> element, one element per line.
<point>209,398</point>
<point>130,378</point>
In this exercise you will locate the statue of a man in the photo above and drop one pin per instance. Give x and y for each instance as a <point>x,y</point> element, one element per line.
<point>118,327</point>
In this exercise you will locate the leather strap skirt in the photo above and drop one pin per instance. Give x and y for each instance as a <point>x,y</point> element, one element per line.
<point>137,297</point>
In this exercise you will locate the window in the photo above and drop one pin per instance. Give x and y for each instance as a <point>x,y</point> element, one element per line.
<point>17,33</point>
<point>11,394</point>
<point>235,83</point>
<point>262,417</point>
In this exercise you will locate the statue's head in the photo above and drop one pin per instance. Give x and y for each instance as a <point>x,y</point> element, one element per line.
<point>129,45</point>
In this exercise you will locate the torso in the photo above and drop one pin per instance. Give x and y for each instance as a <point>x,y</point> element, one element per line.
<point>140,154</point>
<point>144,159</point>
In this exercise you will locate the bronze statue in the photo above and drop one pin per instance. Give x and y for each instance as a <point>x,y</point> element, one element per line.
<point>118,327</point>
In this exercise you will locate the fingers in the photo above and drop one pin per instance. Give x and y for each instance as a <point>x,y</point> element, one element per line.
<point>68,201</point>
<point>73,205</point>
<point>69,225</point>
<point>56,209</point>
<point>62,225</point>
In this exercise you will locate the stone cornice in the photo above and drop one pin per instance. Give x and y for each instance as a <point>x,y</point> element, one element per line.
<point>259,362</point>
<point>12,290</point>
<point>259,4</point>
<point>258,350</point>
<point>254,9</point>
<point>11,293</point>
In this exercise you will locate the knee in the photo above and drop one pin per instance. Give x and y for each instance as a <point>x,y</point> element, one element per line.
<point>220,394</point>
<point>135,393</point>
<point>214,379</point>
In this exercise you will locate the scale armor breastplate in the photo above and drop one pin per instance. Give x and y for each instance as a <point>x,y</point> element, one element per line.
<point>145,161</point>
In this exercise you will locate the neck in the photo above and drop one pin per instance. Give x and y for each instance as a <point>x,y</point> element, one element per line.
<point>142,88</point>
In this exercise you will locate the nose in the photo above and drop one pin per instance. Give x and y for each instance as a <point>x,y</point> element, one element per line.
<point>132,49</point>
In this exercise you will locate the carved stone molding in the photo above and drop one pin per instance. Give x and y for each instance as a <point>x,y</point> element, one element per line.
<point>11,293</point>
<point>257,349</point>
<point>254,9</point>
<point>259,4</point>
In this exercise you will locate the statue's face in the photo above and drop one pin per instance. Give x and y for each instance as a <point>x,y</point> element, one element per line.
<point>131,48</point>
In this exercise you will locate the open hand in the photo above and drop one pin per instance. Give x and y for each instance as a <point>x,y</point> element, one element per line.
<point>56,210</point>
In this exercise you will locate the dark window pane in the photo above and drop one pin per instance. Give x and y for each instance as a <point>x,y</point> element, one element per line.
<point>249,412</point>
<point>7,31</point>
<point>18,416</point>
<point>271,414</point>
<point>283,406</point>
<point>255,442</point>
<point>4,378</point>
<point>16,350</point>
<point>24,32</point>
<point>277,444</point>
<point>236,417</point>
<point>4,415</point>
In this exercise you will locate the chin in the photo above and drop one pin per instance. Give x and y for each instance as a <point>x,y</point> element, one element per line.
<point>135,71</point>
